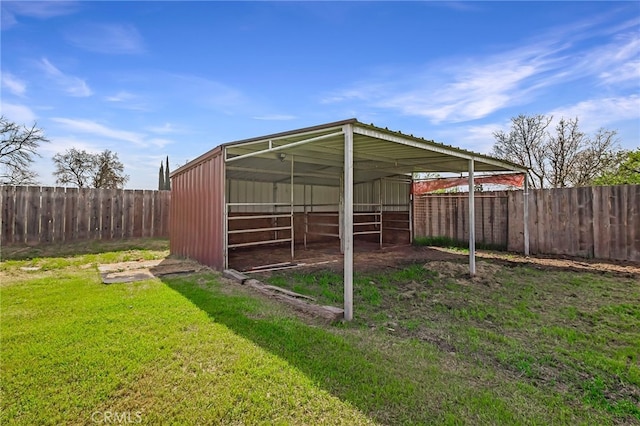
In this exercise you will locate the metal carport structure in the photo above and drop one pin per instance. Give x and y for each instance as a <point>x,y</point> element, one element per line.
<point>341,155</point>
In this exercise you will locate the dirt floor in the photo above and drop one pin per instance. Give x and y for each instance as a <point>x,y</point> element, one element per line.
<point>370,257</point>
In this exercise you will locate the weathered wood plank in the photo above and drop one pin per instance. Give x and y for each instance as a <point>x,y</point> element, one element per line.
<point>116,214</point>
<point>633,237</point>
<point>106,215</point>
<point>8,196</point>
<point>58,214</point>
<point>46,221</point>
<point>138,212</point>
<point>33,215</point>
<point>70,214</point>
<point>20,215</point>
<point>147,214</point>
<point>84,215</point>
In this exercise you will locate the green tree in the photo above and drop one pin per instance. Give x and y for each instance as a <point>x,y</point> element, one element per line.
<point>18,148</point>
<point>167,180</point>
<point>161,178</point>
<point>627,173</point>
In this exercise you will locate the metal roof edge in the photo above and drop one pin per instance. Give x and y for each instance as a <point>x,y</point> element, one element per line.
<point>467,153</point>
<point>213,152</point>
<point>293,132</point>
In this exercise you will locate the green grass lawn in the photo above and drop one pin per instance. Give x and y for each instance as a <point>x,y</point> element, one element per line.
<point>425,348</point>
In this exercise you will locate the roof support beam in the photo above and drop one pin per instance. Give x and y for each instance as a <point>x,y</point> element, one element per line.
<point>525,195</point>
<point>281,147</point>
<point>348,222</point>
<point>472,222</point>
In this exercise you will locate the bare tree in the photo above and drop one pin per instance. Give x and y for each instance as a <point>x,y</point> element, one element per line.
<point>83,169</point>
<point>563,150</point>
<point>600,156</point>
<point>108,171</point>
<point>17,150</point>
<point>566,158</point>
<point>525,144</point>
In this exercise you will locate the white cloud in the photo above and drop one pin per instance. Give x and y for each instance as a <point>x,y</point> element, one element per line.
<point>121,96</point>
<point>275,117</point>
<point>72,85</point>
<point>470,88</point>
<point>127,100</point>
<point>34,9</point>
<point>108,38</point>
<point>601,112</point>
<point>60,144</point>
<point>97,129</point>
<point>13,84</point>
<point>20,114</point>
<point>162,130</point>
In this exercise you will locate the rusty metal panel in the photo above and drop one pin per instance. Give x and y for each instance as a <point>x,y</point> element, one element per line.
<point>197,210</point>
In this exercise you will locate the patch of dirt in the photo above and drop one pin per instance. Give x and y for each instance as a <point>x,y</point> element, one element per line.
<point>371,257</point>
<point>126,272</point>
<point>485,272</point>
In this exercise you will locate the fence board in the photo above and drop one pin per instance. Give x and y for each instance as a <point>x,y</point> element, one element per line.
<point>633,236</point>
<point>70,214</point>
<point>138,205</point>
<point>601,222</point>
<point>32,215</point>
<point>8,213</point>
<point>116,214</point>
<point>84,215</point>
<point>46,221</point>
<point>58,214</point>
<point>147,213</point>
<point>127,214</point>
<point>106,217</point>
<point>20,216</point>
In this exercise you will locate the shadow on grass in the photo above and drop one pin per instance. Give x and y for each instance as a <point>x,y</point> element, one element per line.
<point>345,369</point>
<point>26,252</point>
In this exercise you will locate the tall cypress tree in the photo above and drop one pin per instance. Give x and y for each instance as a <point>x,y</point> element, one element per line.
<point>161,183</point>
<point>167,180</point>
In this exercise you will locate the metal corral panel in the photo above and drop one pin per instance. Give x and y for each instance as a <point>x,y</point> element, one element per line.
<point>395,194</point>
<point>197,211</point>
<point>315,197</point>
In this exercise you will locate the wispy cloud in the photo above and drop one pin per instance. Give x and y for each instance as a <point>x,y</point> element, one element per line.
<point>127,100</point>
<point>21,114</point>
<point>13,84</point>
<point>595,113</point>
<point>13,10</point>
<point>166,128</point>
<point>107,38</point>
<point>100,130</point>
<point>463,89</point>
<point>72,85</point>
<point>275,117</point>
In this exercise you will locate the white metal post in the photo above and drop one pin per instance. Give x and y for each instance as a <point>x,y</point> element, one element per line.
<point>293,240</point>
<point>347,235</point>
<point>472,222</point>
<point>526,214</point>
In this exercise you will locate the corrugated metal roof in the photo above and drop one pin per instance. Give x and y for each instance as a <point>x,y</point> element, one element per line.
<point>317,153</point>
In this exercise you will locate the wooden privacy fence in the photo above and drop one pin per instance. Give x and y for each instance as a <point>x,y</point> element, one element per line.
<point>594,222</point>
<point>33,214</point>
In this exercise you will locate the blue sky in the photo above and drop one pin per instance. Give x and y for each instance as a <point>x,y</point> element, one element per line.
<point>150,79</point>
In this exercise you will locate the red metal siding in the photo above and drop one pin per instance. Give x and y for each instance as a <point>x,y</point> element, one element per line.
<point>197,211</point>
